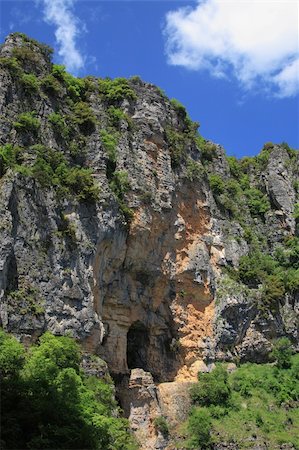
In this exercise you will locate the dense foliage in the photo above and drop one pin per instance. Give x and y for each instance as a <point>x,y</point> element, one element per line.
<point>276,274</point>
<point>114,91</point>
<point>50,168</point>
<point>256,403</point>
<point>48,403</point>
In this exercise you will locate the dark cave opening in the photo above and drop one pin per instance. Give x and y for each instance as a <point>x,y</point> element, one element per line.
<point>137,346</point>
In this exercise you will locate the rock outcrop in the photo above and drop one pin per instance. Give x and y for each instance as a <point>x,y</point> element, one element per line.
<point>140,273</point>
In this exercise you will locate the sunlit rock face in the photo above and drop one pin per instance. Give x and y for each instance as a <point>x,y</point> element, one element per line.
<point>139,274</point>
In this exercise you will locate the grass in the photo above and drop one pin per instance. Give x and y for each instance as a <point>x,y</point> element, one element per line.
<point>262,407</point>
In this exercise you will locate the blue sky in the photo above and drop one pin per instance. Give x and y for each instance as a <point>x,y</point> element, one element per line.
<point>233,64</point>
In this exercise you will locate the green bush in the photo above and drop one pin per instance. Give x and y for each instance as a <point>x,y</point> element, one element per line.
<point>208,151</point>
<point>194,170</point>
<point>261,160</point>
<point>190,126</point>
<point>25,56</point>
<point>77,148</point>
<point>120,185</point>
<point>80,181</point>
<point>268,146</point>
<point>255,267</point>
<point>244,182</point>
<point>52,169</point>
<point>51,85</point>
<point>44,48</point>
<point>199,429</point>
<point>75,86</point>
<point>12,357</point>
<point>110,140</point>
<point>228,203</point>
<point>273,290</point>
<point>115,91</point>
<point>9,157</point>
<point>262,403</point>
<point>291,253</point>
<point>276,274</point>
<point>116,115</point>
<point>26,300</point>
<point>84,118</point>
<point>291,280</point>
<point>12,64</point>
<point>161,425</point>
<point>217,184</point>
<point>179,108</point>
<point>234,166</point>
<point>212,388</point>
<point>177,142</point>
<point>282,353</point>
<point>257,202</point>
<point>47,379</point>
<point>27,122</point>
<point>30,82</point>
<point>59,125</point>
<point>291,151</point>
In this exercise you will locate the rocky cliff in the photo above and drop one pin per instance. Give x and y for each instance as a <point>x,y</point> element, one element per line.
<point>123,227</point>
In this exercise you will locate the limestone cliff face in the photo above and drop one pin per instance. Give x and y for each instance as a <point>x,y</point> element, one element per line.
<point>145,285</point>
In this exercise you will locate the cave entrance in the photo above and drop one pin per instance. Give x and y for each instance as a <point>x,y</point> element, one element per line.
<point>137,346</point>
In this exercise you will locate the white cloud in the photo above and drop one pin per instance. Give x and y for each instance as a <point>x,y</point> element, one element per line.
<point>68,27</point>
<point>255,41</point>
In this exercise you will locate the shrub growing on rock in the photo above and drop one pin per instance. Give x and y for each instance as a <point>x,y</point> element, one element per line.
<point>27,122</point>
<point>212,388</point>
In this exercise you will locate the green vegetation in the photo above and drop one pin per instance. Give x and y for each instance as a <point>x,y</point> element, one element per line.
<point>120,185</point>
<point>257,202</point>
<point>231,193</point>
<point>213,388</point>
<point>84,118</point>
<point>66,229</point>
<point>180,109</point>
<point>275,275</point>
<point>12,65</point>
<point>194,170</point>
<point>27,122</point>
<point>26,57</point>
<point>75,86</point>
<point>30,82</point>
<point>116,115</point>
<point>44,48</point>
<point>110,140</point>
<point>59,125</point>
<point>51,169</point>
<point>282,353</point>
<point>177,142</point>
<point>48,403</point>
<point>9,157</point>
<point>161,425</point>
<point>199,429</point>
<point>26,300</point>
<point>256,403</point>
<point>217,184</point>
<point>115,91</point>
<point>51,85</point>
<point>208,150</point>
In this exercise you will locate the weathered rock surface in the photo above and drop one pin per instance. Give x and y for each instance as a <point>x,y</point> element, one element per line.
<point>150,294</point>
<point>144,409</point>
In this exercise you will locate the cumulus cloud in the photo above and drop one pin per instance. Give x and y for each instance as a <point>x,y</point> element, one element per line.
<point>254,41</point>
<point>59,13</point>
